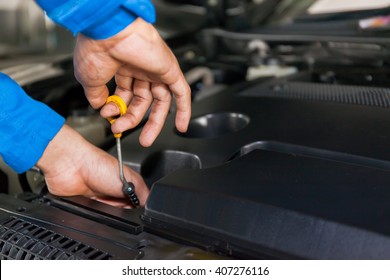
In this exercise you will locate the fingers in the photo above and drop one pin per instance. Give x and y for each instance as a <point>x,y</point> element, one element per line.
<point>182,93</point>
<point>159,111</point>
<point>143,96</point>
<point>96,96</point>
<point>141,190</point>
<point>103,178</point>
<point>107,184</point>
<point>139,57</point>
<point>124,89</point>
<point>141,99</point>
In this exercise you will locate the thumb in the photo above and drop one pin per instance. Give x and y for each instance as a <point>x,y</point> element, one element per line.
<point>96,96</point>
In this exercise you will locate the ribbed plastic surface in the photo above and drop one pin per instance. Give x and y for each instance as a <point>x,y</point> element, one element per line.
<point>22,240</point>
<point>358,95</point>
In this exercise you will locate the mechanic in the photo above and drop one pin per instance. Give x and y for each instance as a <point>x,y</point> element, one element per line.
<point>115,38</point>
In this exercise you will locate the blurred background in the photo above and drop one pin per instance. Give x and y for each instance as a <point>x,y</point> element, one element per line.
<point>25,29</point>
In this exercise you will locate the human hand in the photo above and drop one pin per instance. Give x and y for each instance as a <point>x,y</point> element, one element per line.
<point>73,166</point>
<point>146,73</point>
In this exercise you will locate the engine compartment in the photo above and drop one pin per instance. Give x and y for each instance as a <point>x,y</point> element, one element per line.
<point>286,157</point>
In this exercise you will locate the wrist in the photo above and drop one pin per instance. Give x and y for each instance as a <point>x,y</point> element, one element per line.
<point>64,151</point>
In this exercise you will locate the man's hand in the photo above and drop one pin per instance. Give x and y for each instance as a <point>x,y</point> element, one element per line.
<point>73,166</point>
<point>146,73</point>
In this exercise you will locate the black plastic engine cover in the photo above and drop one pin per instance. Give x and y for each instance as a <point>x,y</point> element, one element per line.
<point>281,169</point>
<point>281,205</point>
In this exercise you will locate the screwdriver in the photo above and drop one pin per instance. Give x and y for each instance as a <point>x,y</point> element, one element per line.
<point>128,187</point>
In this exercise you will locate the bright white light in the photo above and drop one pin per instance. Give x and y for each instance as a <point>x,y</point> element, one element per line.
<point>331,6</point>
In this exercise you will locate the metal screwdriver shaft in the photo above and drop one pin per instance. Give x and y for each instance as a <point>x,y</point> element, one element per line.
<point>127,188</point>
<point>120,161</point>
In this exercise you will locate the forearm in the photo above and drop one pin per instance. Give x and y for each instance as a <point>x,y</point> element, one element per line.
<point>97,19</point>
<point>26,126</point>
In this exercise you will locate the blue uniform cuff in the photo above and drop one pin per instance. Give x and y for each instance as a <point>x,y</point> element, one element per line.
<point>98,19</point>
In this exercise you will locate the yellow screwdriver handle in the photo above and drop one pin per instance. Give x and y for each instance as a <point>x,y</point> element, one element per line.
<point>118,101</point>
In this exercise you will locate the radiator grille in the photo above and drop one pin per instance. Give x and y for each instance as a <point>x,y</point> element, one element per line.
<point>22,240</point>
<point>358,95</point>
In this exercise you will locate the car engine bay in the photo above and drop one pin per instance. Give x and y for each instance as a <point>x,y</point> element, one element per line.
<point>286,156</point>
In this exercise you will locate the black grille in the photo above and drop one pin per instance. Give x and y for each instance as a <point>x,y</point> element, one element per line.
<point>22,240</point>
<point>358,95</point>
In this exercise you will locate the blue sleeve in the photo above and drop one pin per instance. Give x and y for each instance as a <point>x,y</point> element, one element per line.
<point>26,126</point>
<point>97,19</point>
